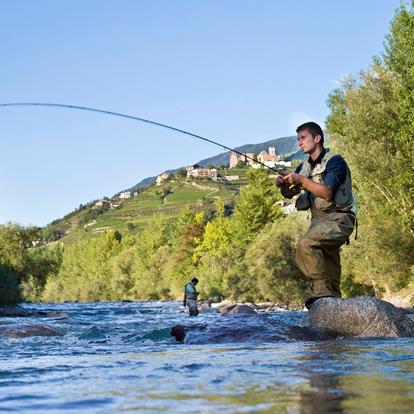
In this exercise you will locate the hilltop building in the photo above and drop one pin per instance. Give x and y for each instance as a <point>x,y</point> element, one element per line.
<point>198,172</point>
<point>124,195</point>
<point>162,178</point>
<point>247,158</point>
<point>268,158</point>
<point>101,203</point>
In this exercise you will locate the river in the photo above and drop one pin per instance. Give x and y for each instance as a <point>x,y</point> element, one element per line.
<point>120,358</point>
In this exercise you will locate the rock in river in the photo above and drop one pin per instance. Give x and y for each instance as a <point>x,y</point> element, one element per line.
<point>24,331</point>
<point>239,310</point>
<point>19,312</point>
<point>362,316</point>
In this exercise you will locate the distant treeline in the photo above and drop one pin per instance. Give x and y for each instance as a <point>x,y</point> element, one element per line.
<point>247,252</point>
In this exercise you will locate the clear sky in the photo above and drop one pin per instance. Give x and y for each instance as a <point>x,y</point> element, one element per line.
<point>235,71</point>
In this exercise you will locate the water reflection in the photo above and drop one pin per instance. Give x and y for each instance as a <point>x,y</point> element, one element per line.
<point>345,377</point>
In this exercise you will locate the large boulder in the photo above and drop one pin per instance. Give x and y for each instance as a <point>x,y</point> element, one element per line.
<point>224,305</point>
<point>362,316</point>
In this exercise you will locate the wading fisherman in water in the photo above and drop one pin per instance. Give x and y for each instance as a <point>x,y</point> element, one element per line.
<point>190,297</point>
<point>325,180</point>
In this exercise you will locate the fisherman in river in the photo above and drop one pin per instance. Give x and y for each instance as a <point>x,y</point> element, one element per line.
<point>325,181</point>
<point>190,297</point>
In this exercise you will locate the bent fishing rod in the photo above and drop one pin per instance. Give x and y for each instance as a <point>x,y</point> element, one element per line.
<point>136,118</point>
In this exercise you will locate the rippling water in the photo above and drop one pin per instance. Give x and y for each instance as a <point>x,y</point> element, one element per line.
<point>119,357</point>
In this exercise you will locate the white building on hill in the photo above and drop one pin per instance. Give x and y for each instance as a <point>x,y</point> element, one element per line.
<point>124,195</point>
<point>196,171</point>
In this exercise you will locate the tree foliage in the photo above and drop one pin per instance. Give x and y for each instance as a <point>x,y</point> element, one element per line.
<point>23,269</point>
<point>371,120</point>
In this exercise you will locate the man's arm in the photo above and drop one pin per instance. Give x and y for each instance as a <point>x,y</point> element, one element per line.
<point>318,190</point>
<point>336,171</point>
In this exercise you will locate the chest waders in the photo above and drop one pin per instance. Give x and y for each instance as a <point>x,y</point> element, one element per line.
<point>317,252</point>
<point>191,299</point>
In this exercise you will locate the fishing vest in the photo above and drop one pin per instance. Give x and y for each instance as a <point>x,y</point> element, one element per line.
<point>343,199</point>
<point>190,291</point>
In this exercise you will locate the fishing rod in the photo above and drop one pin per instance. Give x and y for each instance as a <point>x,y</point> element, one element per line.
<point>136,118</point>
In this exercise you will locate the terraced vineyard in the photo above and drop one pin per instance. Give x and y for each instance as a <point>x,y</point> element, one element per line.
<point>133,214</point>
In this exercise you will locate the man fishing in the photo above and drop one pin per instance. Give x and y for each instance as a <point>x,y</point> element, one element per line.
<point>325,181</point>
<point>190,297</point>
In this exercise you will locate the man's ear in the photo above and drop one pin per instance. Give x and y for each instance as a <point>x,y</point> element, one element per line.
<point>317,139</point>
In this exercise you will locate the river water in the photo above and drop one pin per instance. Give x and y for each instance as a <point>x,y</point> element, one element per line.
<point>120,358</point>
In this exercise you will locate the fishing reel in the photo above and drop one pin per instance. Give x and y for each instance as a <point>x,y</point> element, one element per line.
<point>291,189</point>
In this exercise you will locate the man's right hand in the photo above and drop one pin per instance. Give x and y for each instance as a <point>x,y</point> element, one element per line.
<point>280,181</point>
<point>287,189</point>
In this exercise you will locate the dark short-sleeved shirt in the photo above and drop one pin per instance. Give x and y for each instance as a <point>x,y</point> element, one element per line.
<point>336,170</point>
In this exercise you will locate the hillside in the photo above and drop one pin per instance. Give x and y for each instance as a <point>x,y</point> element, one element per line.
<point>131,215</point>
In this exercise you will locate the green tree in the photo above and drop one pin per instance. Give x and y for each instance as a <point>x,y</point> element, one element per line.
<point>41,264</point>
<point>255,206</point>
<point>371,122</point>
<point>271,271</point>
<point>14,241</point>
<point>214,255</point>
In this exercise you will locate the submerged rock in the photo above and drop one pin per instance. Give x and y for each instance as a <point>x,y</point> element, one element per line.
<point>19,312</point>
<point>244,329</point>
<point>361,317</point>
<point>24,331</point>
<point>55,314</point>
<point>14,312</point>
<point>239,310</point>
<point>208,310</point>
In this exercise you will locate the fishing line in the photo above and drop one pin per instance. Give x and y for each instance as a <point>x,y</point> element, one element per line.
<point>136,118</point>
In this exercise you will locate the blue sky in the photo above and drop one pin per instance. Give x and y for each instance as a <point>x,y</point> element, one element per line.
<point>234,71</point>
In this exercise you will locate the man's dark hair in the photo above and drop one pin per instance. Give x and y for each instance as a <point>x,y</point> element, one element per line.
<point>313,128</point>
<point>194,280</point>
<point>178,332</point>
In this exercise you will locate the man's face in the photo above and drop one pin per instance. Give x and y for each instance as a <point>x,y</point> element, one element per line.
<point>307,143</point>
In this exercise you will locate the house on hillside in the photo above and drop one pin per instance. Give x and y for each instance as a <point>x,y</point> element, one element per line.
<point>124,195</point>
<point>198,172</point>
<point>162,178</point>
<point>101,203</point>
<point>231,177</point>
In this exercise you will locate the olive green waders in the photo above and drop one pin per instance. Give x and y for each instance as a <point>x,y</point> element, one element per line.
<point>192,307</point>
<point>317,252</point>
